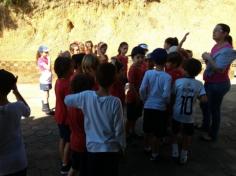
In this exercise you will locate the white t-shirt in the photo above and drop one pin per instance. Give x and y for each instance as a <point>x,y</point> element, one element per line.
<point>155,89</point>
<point>186,90</point>
<point>103,120</point>
<point>12,149</point>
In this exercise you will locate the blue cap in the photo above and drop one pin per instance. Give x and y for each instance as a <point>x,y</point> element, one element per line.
<point>159,56</point>
<point>43,48</point>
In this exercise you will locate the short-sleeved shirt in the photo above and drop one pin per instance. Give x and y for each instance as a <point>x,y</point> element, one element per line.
<point>76,123</point>
<point>62,88</point>
<point>103,120</point>
<point>135,76</point>
<point>175,74</point>
<point>124,61</point>
<point>46,75</point>
<point>155,89</point>
<point>118,90</point>
<point>12,150</point>
<point>186,91</point>
<point>223,57</point>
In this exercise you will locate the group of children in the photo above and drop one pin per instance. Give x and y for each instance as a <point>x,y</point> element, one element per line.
<point>91,93</point>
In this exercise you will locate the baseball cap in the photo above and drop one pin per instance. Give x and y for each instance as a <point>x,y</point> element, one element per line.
<point>144,46</point>
<point>137,50</point>
<point>43,48</point>
<point>159,56</point>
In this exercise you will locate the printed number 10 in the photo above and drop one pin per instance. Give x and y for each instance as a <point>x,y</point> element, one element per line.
<point>186,105</point>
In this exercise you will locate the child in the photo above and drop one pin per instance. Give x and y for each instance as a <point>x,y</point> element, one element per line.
<point>101,52</point>
<point>81,47</point>
<point>122,50</point>
<point>174,61</point>
<point>118,87</point>
<point>103,116</point>
<point>186,91</point>
<point>74,48</point>
<point>77,62</point>
<point>63,69</point>
<point>89,47</point>
<point>90,63</point>
<point>13,160</point>
<point>155,92</point>
<point>134,103</point>
<point>44,64</point>
<point>76,122</point>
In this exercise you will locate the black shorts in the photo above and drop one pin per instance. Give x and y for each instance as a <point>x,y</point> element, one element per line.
<point>78,161</point>
<point>186,128</point>
<point>134,111</point>
<point>154,122</point>
<point>64,132</point>
<point>45,87</point>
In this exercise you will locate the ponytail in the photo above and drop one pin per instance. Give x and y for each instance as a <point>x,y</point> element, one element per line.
<point>229,39</point>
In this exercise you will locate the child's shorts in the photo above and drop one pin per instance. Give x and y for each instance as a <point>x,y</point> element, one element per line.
<point>45,87</point>
<point>187,128</point>
<point>64,132</point>
<point>134,111</point>
<point>155,122</point>
<point>78,160</point>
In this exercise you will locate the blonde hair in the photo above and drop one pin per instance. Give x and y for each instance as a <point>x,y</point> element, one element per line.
<point>90,63</point>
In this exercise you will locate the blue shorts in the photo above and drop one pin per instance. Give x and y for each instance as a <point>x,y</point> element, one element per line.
<point>45,87</point>
<point>64,132</point>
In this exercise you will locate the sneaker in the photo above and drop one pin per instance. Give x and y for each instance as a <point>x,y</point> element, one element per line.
<point>155,158</point>
<point>183,160</point>
<point>147,150</point>
<point>207,138</point>
<point>65,169</point>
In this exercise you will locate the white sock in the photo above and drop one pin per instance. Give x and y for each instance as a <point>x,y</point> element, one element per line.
<point>175,150</point>
<point>154,155</point>
<point>184,153</point>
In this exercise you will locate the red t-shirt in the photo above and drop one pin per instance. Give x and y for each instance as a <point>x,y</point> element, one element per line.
<point>77,136</point>
<point>118,90</point>
<point>62,87</point>
<point>135,76</point>
<point>175,74</point>
<point>124,61</point>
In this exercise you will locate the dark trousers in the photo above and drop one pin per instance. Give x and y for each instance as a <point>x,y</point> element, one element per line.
<point>212,109</point>
<point>20,173</point>
<point>103,164</point>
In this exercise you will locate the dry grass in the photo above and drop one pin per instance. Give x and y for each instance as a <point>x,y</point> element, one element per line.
<point>112,21</point>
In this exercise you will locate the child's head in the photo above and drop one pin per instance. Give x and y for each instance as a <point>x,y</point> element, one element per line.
<point>63,67</point>
<point>123,48</point>
<point>74,48</point>
<point>90,63</point>
<point>77,60</point>
<point>81,47</point>
<point>81,82</point>
<point>102,47</point>
<point>7,81</point>
<point>88,47</point>
<point>159,56</point>
<point>144,46</point>
<point>105,75</point>
<point>42,52</point>
<point>169,42</point>
<point>192,67</point>
<point>150,63</point>
<point>190,53</point>
<point>174,60</point>
<point>137,55</point>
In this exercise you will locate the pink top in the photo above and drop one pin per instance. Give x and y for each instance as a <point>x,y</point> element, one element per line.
<point>218,76</point>
<point>41,62</point>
